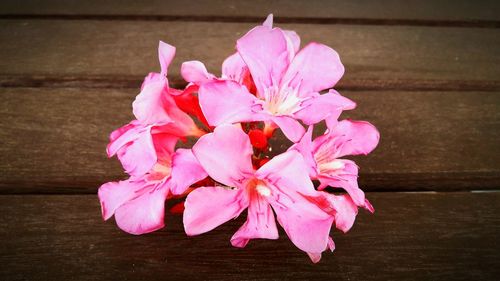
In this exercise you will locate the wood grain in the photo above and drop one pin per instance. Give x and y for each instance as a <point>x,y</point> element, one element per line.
<point>116,50</point>
<point>313,9</point>
<point>53,140</point>
<point>421,236</point>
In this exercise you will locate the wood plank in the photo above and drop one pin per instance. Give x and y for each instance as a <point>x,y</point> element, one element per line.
<point>322,9</point>
<point>451,236</point>
<point>53,140</point>
<point>118,50</point>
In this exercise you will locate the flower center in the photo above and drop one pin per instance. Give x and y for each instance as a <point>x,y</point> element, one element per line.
<point>281,101</point>
<point>331,166</point>
<point>263,190</point>
<point>256,187</point>
<point>160,171</point>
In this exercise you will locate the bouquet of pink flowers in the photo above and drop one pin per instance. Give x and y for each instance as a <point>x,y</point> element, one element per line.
<point>268,83</point>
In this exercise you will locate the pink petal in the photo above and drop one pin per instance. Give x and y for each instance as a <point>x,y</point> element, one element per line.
<point>260,223</point>
<point>144,213</point>
<point>287,171</point>
<point>164,143</point>
<point>208,207</point>
<point>114,194</point>
<point>269,21</point>
<point>291,128</point>
<point>265,52</point>
<point>316,67</point>
<point>234,68</point>
<point>316,257</point>
<point>134,148</point>
<point>195,72</point>
<point>152,77</point>
<point>304,146</point>
<point>293,41</point>
<point>123,135</point>
<point>155,106</point>
<point>305,224</point>
<point>186,170</point>
<point>148,107</point>
<point>356,137</point>
<point>166,54</point>
<point>346,178</point>
<point>183,124</point>
<point>319,107</point>
<point>225,155</point>
<point>345,211</point>
<point>226,102</point>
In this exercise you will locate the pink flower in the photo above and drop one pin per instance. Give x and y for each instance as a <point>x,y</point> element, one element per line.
<point>160,122</point>
<point>139,202</point>
<point>323,156</point>
<point>280,185</point>
<point>139,147</point>
<point>287,83</point>
<point>155,104</point>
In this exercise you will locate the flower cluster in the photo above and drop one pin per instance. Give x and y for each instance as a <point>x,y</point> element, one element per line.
<point>269,83</point>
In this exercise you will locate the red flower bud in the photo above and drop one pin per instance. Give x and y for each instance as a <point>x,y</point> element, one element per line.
<point>258,139</point>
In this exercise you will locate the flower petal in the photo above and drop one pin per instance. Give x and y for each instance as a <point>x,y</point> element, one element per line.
<point>233,67</point>
<point>143,214</point>
<point>269,21</point>
<point>356,137</point>
<point>319,107</point>
<point>134,148</point>
<point>345,177</point>
<point>267,61</point>
<point>305,224</point>
<point>164,143</point>
<point>186,170</point>
<point>260,223</point>
<point>225,154</point>
<point>293,41</point>
<point>148,107</point>
<point>287,171</point>
<point>316,67</point>
<point>166,54</point>
<point>152,77</point>
<point>114,194</point>
<point>226,102</point>
<point>195,72</point>
<point>304,146</point>
<point>208,207</point>
<point>345,211</point>
<point>183,124</point>
<point>291,128</point>
<point>316,257</point>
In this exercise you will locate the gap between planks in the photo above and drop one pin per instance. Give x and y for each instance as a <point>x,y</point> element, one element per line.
<point>258,19</point>
<point>125,82</point>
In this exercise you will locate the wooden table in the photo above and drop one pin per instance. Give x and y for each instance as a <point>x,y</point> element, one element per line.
<point>426,73</point>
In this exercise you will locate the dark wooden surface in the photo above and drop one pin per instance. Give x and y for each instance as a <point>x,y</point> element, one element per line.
<point>411,236</point>
<point>426,73</point>
<point>397,57</point>
<point>409,12</point>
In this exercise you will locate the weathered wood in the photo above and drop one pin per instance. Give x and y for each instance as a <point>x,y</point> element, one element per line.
<point>53,140</point>
<point>452,236</point>
<point>313,9</point>
<point>450,57</point>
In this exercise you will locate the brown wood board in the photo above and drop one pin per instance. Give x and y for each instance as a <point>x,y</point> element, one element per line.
<point>425,12</point>
<point>47,52</point>
<point>411,236</point>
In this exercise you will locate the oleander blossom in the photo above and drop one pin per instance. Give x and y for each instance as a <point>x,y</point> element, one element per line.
<point>268,83</point>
